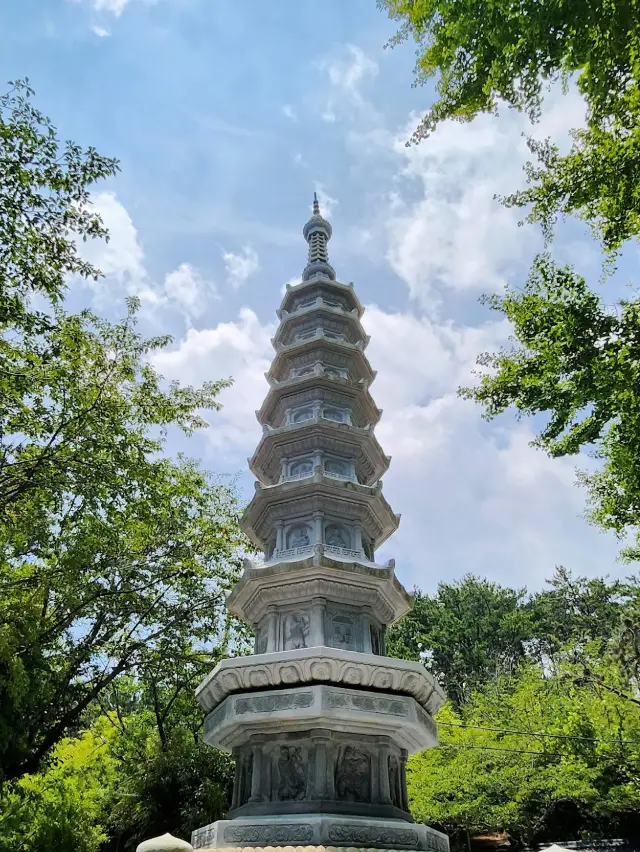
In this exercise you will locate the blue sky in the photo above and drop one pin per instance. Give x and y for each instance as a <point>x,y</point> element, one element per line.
<point>226,116</point>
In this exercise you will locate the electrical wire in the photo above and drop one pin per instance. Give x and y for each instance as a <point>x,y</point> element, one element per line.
<point>538,734</point>
<point>495,748</point>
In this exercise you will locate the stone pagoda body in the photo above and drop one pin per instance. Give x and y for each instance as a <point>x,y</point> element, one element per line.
<point>319,720</point>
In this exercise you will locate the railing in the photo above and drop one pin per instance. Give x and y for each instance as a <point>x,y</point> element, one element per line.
<point>292,477</point>
<point>343,477</point>
<point>292,552</point>
<point>308,303</point>
<point>343,551</point>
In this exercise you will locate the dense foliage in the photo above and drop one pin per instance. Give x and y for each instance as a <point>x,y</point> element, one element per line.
<point>573,357</point>
<point>487,52</point>
<point>544,757</point>
<point>541,737</point>
<point>114,557</point>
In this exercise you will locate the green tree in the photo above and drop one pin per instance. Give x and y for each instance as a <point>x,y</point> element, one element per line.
<point>112,556</point>
<point>543,756</point>
<point>575,611</point>
<point>576,361</point>
<point>62,807</point>
<point>487,52</point>
<point>467,633</point>
<point>168,779</point>
<point>573,359</point>
<point>44,210</point>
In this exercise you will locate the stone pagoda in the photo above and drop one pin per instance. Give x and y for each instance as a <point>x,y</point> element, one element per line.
<point>319,720</point>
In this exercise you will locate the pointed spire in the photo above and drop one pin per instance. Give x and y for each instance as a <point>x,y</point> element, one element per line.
<point>317,233</point>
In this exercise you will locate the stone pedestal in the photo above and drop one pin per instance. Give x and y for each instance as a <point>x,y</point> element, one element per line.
<point>319,830</point>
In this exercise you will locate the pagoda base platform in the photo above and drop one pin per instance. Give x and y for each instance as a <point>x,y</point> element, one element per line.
<point>322,831</point>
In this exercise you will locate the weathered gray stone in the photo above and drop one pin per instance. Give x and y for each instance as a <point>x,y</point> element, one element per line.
<point>274,712</point>
<point>308,665</point>
<point>320,830</point>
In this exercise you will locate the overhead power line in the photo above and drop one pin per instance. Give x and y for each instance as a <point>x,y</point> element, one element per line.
<point>538,734</point>
<point>496,748</point>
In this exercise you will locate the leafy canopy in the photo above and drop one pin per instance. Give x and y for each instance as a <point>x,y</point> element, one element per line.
<point>493,771</point>
<point>44,208</point>
<point>487,52</point>
<point>468,632</point>
<point>573,358</point>
<point>113,557</point>
<point>577,361</point>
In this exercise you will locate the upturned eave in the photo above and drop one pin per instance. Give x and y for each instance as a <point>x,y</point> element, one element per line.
<point>295,289</point>
<point>274,502</point>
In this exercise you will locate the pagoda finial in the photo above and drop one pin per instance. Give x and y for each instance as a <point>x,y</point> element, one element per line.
<point>317,232</point>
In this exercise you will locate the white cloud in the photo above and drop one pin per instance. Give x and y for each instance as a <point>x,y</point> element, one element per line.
<point>240,266</point>
<point>474,498</point>
<point>347,70</point>
<point>455,235</point>
<point>188,289</point>
<point>101,32</point>
<point>122,262</point>
<point>289,112</point>
<point>122,257</point>
<point>114,7</point>
<point>240,350</point>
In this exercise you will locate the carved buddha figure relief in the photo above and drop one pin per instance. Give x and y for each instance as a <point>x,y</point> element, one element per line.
<point>261,642</point>
<point>298,536</point>
<point>334,372</point>
<point>296,631</point>
<point>394,781</point>
<point>335,466</point>
<point>353,775</point>
<point>301,415</point>
<point>337,536</point>
<point>303,371</point>
<point>343,632</point>
<point>245,770</point>
<point>376,640</point>
<point>301,467</point>
<point>336,414</point>
<point>292,774</point>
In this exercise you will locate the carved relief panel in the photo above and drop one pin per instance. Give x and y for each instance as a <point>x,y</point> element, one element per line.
<point>292,770</point>
<point>295,631</point>
<point>298,535</point>
<point>337,535</point>
<point>301,467</point>
<point>353,775</point>
<point>261,641</point>
<point>344,632</point>
<point>339,467</point>
<point>243,778</point>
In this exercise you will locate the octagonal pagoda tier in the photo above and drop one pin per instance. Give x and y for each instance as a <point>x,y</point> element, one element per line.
<point>288,519</point>
<point>280,451</point>
<point>329,291</point>
<point>320,349</point>
<point>320,721</point>
<point>319,392</point>
<point>317,319</point>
